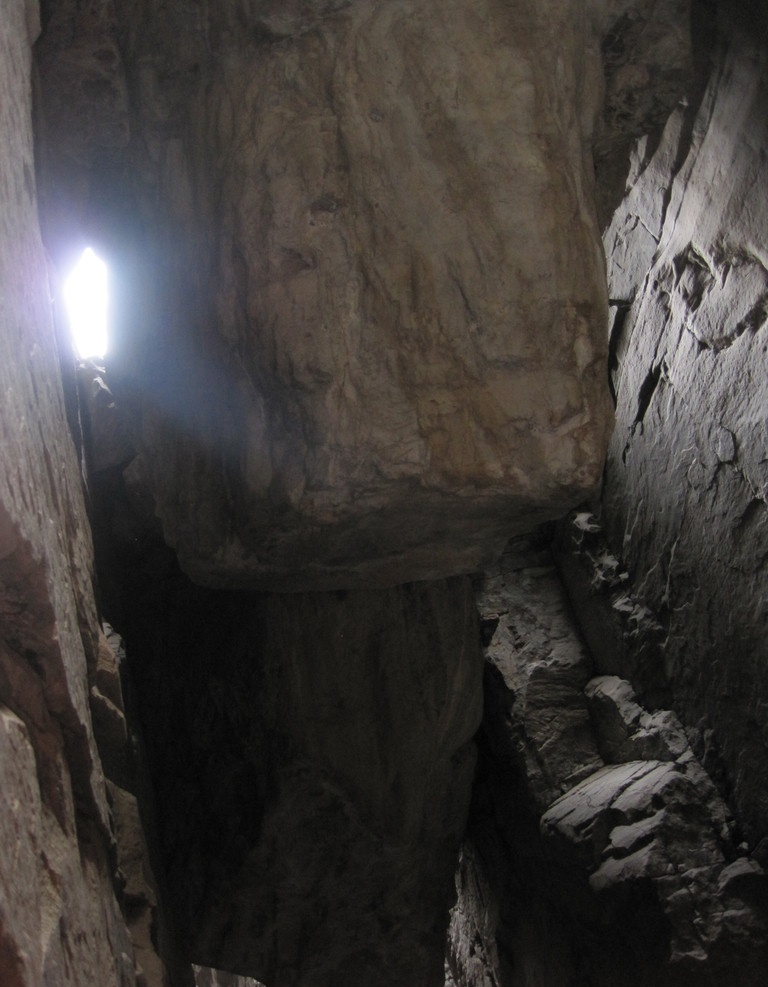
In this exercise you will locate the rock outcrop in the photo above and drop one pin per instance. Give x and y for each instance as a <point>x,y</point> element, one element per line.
<point>685,495</point>
<point>61,921</point>
<point>360,340</point>
<point>364,300</point>
<point>598,845</point>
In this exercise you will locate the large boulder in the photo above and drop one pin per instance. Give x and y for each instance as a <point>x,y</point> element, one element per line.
<point>364,332</point>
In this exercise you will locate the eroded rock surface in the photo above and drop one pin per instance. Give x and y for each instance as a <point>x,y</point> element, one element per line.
<point>536,672</point>
<point>620,873</point>
<point>355,248</point>
<point>685,497</point>
<point>60,920</point>
<point>366,328</point>
<point>655,834</point>
<point>206,977</point>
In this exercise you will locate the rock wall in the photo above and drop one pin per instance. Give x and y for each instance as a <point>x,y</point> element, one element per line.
<point>685,491</point>
<point>360,312</point>
<point>361,340</point>
<point>312,760</point>
<point>598,849</point>
<point>60,919</point>
<point>648,871</point>
<point>361,292</point>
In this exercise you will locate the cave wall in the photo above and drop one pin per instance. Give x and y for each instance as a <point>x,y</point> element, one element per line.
<point>60,919</point>
<point>360,296</point>
<point>344,357</point>
<point>312,759</point>
<point>598,849</point>
<point>684,498</point>
<point>650,869</point>
<point>348,350</point>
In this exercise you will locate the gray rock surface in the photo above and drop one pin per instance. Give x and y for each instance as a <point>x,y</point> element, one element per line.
<point>627,732</point>
<point>620,873</point>
<point>654,829</point>
<point>206,977</point>
<point>685,495</point>
<point>368,303</point>
<point>647,66</point>
<point>536,671</point>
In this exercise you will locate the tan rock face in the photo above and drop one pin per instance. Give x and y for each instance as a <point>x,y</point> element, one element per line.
<point>373,333</point>
<point>60,922</point>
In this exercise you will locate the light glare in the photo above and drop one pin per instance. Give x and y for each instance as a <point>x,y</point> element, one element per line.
<point>86,299</point>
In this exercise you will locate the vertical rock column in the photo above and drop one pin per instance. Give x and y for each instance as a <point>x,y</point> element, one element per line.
<point>312,757</point>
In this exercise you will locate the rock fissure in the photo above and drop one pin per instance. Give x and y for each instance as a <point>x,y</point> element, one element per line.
<point>364,336</point>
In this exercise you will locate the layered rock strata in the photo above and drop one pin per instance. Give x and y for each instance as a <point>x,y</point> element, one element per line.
<point>598,845</point>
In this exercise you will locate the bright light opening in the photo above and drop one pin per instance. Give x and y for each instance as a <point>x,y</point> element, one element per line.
<point>86,297</point>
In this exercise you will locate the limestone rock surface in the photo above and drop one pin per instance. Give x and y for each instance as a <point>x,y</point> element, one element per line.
<point>685,497</point>
<point>360,292</point>
<point>364,324</point>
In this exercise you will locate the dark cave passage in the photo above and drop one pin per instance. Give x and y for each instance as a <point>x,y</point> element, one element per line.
<point>372,611</point>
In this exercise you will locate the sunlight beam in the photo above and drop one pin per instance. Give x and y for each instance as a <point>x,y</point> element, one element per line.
<point>86,299</point>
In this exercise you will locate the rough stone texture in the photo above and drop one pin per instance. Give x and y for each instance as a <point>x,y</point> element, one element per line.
<point>353,249</point>
<point>60,923</point>
<point>647,66</point>
<point>472,953</point>
<point>364,234</point>
<point>366,300</point>
<point>624,635</point>
<point>654,834</point>
<point>312,761</point>
<point>575,871</point>
<point>82,121</point>
<point>685,496</point>
<point>138,886</point>
<point>64,915</point>
<point>627,732</point>
<point>535,674</point>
